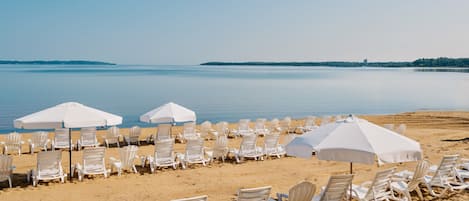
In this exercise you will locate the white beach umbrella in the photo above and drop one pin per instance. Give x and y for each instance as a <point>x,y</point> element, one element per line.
<point>67,115</point>
<point>169,113</point>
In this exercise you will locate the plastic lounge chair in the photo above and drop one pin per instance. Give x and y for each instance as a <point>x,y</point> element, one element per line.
<point>49,167</point>
<point>274,125</point>
<point>259,128</point>
<point>389,126</point>
<point>39,139</point>
<point>196,198</point>
<point>12,142</point>
<point>248,149</point>
<point>220,149</point>
<point>404,187</point>
<point>285,125</point>
<point>254,194</point>
<point>6,168</point>
<point>272,147</point>
<point>194,153</point>
<point>112,136</point>
<point>134,136</point>
<point>310,124</point>
<point>87,138</point>
<point>127,156</point>
<point>243,128</point>
<point>376,190</point>
<point>206,131</point>
<point>93,163</point>
<point>189,132</point>
<point>444,177</point>
<point>401,129</point>
<point>336,188</point>
<point>164,155</point>
<point>61,139</point>
<point>163,132</point>
<point>304,191</point>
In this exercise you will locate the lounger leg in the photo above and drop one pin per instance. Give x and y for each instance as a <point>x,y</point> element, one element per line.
<point>9,182</point>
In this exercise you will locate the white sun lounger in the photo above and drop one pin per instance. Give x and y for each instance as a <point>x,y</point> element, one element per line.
<point>164,155</point>
<point>12,142</point>
<point>49,167</point>
<point>6,169</point>
<point>87,138</point>
<point>93,163</point>
<point>304,191</point>
<point>39,139</point>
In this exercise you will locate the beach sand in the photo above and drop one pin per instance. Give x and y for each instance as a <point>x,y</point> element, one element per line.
<point>439,133</point>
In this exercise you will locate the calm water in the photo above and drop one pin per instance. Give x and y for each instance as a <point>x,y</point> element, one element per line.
<point>228,93</point>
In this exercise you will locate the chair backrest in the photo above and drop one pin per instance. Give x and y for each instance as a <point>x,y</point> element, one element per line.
<point>221,146</point>
<point>271,142</point>
<point>5,166</point>
<point>222,127</point>
<point>254,194</point>
<point>243,124</point>
<point>379,189</point>
<point>49,163</point>
<point>274,124</point>
<point>260,124</point>
<point>39,138</point>
<point>88,136</point>
<point>93,157</point>
<point>285,123</point>
<point>195,147</point>
<point>446,171</point>
<point>336,187</point>
<point>164,148</point>
<point>127,155</point>
<point>205,128</point>
<point>325,120</point>
<point>401,129</point>
<point>163,132</point>
<point>197,198</point>
<point>248,144</point>
<point>134,133</point>
<point>13,139</point>
<point>419,175</point>
<point>303,191</point>
<point>61,137</point>
<point>310,121</point>
<point>113,132</point>
<point>389,126</point>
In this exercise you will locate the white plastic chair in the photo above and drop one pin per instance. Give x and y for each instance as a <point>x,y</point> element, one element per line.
<point>304,191</point>
<point>389,126</point>
<point>376,190</point>
<point>336,188</point>
<point>206,131</point>
<point>112,136</point>
<point>401,129</point>
<point>220,149</point>
<point>12,142</point>
<point>248,149</point>
<point>127,156</point>
<point>134,136</point>
<point>6,168</point>
<point>310,124</point>
<point>49,167</point>
<point>39,139</point>
<point>403,187</point>
<point>243,128</point>
<point>93,163</point>
<point>444,177</point>
<point>61,139</point>
<point>274,125</point>
<point>285,125</point>
<point>194,153</point>
<point>163,132</point>
<point>189,132</point>
<point>221,128</point>
<point>87,138</point>
<point>259,128</point>
<point>254,194</point>
<point>197,198</point>
<point>164,155</point>
<point>272,147</point>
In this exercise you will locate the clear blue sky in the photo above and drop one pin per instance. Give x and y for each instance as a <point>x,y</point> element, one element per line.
<point>191,32</point>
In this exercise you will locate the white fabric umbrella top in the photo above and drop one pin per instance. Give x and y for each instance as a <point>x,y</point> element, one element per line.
<point>169,113</point>
<point>356,140</point>
<point>67,115</point>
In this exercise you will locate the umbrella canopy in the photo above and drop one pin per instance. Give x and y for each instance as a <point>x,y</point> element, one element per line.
<point>67,115</point>
<point>355,140</point>
<point>169,113</point>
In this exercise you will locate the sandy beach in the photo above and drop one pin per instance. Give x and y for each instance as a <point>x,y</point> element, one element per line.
<point>439,133</point>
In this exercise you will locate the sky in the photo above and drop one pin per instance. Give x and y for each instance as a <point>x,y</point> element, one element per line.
<point>192,32</point>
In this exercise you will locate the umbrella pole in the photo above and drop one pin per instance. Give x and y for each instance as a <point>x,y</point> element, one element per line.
<point>70,153</point>
<point>351,172</point>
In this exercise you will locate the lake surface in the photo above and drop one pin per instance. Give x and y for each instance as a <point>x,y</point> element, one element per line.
<point>228,92</point>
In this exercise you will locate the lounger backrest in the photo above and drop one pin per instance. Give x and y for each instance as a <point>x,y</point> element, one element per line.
<point>134,133</point>
<point>254,194</point>
<point>61,137</point>
<point>88,136</point>
<point>310,121</point>
<point>93,157</point>
<point>401,128</point>
<point>39,138</point>
<point>113,132</point>
<point>127,155</point>
<point>379,189</point>
<point>420,171</point>
<point>195,147</point>
<point>336,188</point>
<point>13,139</point>
<point>303,191</point>
<point>197,198</point>
<point>221,146</point>
<point>274,124</point>
<point>271,141</point>
<point>49,163</point>
<point>389,126</point>
<point>248,144</point>
<point>260,124</point>
<point>164,132</point>
<point>164,148</point>
<point>446,170</point>
<point>5,166</point>
<point>243,125</point>
<point>285,123</point>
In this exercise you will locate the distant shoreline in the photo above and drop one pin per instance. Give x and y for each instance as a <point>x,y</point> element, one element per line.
<point>432,62</point>
<point>56,62</point>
